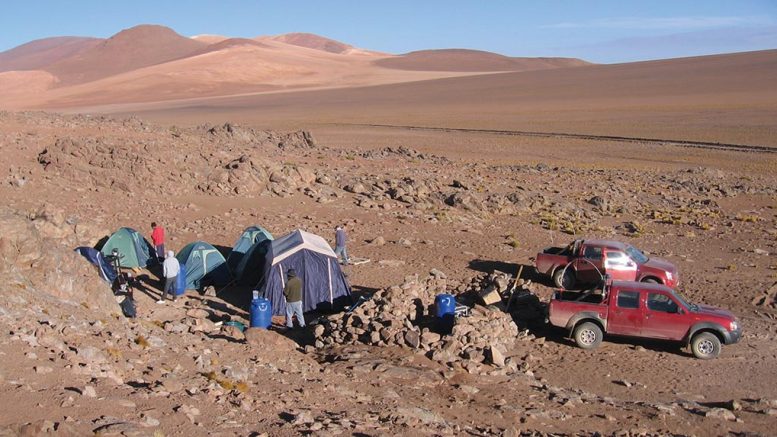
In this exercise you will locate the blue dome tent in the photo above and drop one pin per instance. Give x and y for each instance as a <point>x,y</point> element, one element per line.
<point>324,284</point>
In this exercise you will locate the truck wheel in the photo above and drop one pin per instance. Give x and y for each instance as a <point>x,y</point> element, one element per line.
<point>588,335</point>
<point>564,278</point>
<point>650,281</point>
<point>705,345</point>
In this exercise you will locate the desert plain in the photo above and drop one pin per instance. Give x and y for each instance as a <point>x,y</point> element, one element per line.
<point>450,169</point>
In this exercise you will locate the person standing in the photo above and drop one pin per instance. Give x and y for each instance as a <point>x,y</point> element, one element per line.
<point>158,238</point>
<point>170,270</point>
<point>293,294</point>
<point>340,241</point>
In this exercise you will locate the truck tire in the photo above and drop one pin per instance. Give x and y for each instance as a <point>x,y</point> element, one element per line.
<point>650,281</point>
<point>588,335</point>
<point>705,345</point>
<point>564,278</point>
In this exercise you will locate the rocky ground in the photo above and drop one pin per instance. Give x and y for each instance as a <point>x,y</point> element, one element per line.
<point>430,221</point>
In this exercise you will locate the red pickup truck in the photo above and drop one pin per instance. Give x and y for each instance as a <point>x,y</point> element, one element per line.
<point>589,260</point>
<point>639,309</point>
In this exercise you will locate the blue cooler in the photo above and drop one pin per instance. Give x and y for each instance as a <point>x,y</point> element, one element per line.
<point>261,312</point>
<point>180,281</point>
<point>445,310</point>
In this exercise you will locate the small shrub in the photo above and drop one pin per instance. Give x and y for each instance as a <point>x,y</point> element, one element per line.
<point>142,342</point>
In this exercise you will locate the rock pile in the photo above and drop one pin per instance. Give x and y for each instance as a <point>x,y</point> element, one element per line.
<point>404,316</point>
<point>37,262</point>
<point>222,160</point>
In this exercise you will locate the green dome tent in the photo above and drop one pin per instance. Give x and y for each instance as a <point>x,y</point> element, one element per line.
<point>204,265</point>
<point>250,236</point>
<point>135,250</point>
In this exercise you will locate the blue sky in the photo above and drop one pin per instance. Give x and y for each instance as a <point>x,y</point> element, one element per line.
<point>600,31</point>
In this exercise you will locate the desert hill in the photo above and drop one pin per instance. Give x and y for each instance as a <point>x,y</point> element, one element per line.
<point>43,52</point>
<point>150,63</point>
<point>312,41</point>
<point>128,50</point>
<point>471,60</point>
<point>721,98</point>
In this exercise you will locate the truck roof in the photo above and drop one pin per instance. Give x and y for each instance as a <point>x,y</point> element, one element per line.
<point>640,285</point>
<point>610,244</point>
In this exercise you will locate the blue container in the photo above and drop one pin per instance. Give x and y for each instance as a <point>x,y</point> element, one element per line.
<point>445,309</point>
<point>261,313</point>
<point>445,304</point>
<point>180,281</point>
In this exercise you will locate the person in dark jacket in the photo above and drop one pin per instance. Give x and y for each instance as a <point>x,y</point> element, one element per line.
<point>293,294</point>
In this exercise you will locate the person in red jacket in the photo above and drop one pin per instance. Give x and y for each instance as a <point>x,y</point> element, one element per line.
<point>158,238</point>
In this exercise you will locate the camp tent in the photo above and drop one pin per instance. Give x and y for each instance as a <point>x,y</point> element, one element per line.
<point>324,284</point>
<point>135,250</point>
<point>204,265</point>
<point>250,236</point>
<point>94,256</point>
<point>250,269</point>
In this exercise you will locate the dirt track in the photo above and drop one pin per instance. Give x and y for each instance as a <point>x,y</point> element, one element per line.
<point>664,142</point>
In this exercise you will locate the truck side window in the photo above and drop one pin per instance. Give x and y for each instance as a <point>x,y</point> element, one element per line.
<point>628,299</point>
<point>616,259</point>
<point>592,252</point>
<point>661,302</point>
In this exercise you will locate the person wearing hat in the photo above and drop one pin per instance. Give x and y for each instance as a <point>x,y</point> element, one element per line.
<point>170,270</point>
<point>293,294</point>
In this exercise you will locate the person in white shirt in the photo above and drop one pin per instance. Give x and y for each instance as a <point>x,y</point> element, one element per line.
<point>170,270</point>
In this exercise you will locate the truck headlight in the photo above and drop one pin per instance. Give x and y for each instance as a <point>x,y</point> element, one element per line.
<point>733,326</point>
<point>669,276</point>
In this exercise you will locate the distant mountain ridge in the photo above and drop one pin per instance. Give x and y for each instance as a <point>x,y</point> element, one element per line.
<point>472,60</point>
<point>152,62</point>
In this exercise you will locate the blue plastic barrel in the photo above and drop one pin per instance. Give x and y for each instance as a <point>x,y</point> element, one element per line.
<point>445,304</point>
<point>261,313</point>
<point>445,309</point>
<point>180,281</point>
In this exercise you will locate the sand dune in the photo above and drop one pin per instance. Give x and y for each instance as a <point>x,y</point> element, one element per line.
<point>43,52</point>
<point>472,60</point>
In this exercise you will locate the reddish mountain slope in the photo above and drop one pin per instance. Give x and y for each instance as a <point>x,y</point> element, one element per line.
<point>312,41</point>
<point>471,60</point>
<point>43,52</point>
<point>128,50</point>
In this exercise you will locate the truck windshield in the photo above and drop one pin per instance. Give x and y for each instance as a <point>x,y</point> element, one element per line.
<point>684,301</point>
<point>636,255</point>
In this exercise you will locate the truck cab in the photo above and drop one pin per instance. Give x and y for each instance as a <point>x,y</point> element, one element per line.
<point>637,309</point>
<point>585,261</point>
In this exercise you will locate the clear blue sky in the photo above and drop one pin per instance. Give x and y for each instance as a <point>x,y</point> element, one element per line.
<point>599,31</point>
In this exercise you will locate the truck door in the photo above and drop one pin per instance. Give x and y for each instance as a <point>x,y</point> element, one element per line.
<point>663,317</point>
<point>625,314</point>
<point>619,266</point>
<point>590,264</point>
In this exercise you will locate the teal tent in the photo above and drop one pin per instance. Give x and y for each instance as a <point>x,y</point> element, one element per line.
<point>250,236</point>
<point>205,265</point>
<point>135,250</point>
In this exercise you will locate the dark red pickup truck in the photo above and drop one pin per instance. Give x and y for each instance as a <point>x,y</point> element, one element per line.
<point>638,309</point>
<point>589,260</point>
